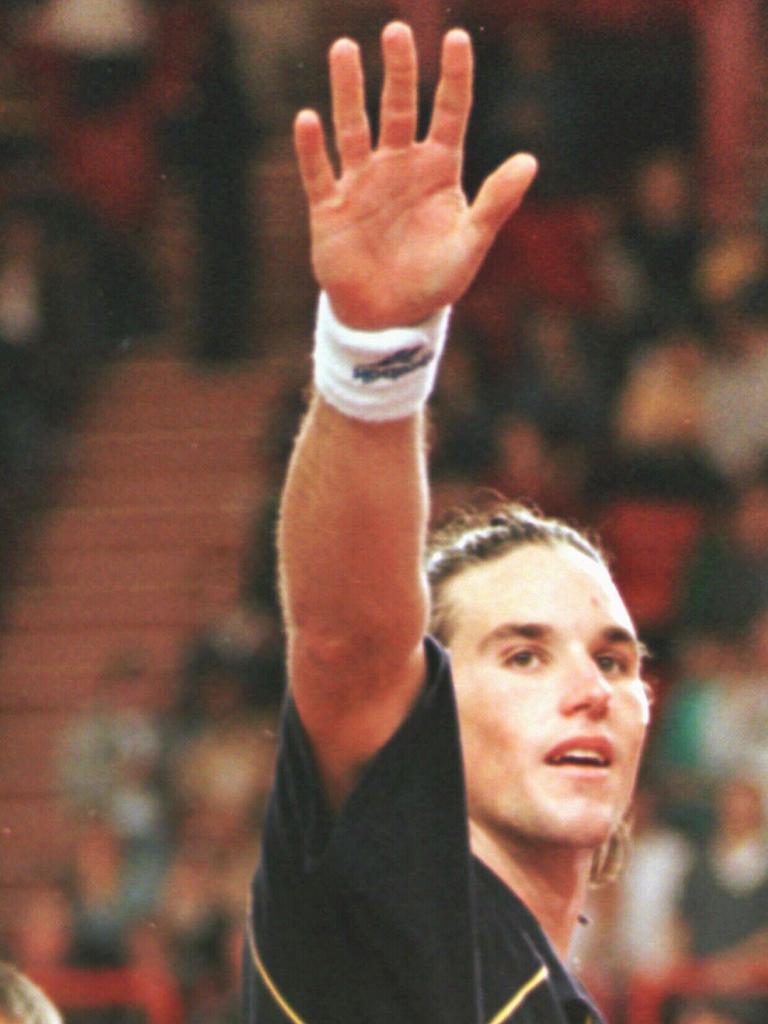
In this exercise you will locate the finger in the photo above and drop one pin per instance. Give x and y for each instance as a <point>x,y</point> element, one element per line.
<point>350,121</point>
<point>315,167</point>
<point>453,98</point>
<point>501,194</point>
<point>399,108</point>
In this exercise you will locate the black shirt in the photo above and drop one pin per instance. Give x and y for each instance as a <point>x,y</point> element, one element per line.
<point>382,915</point>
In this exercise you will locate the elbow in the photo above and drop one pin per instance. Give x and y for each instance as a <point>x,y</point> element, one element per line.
<point>376,642</point>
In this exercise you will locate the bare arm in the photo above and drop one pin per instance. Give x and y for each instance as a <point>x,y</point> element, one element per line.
<point>393,239</point>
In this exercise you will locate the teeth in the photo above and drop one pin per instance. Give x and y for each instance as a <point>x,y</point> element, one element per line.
<point>580,756</point>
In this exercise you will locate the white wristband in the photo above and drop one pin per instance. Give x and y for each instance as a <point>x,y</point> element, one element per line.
<point>377,375</point>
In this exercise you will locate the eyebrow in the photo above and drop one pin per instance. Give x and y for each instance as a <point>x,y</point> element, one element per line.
<point>510,630</point>
<point>542,631</point>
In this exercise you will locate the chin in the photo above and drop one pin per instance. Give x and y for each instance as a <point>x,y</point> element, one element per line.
<point>583,828</point>
<point>589,837</point>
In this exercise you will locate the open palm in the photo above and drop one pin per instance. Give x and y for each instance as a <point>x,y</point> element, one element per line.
<point>393,237</point>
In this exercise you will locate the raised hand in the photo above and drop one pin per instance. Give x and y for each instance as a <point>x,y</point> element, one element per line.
<point>393,237</point>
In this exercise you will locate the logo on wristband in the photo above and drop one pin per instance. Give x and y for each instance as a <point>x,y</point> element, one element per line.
<point>394,366</point>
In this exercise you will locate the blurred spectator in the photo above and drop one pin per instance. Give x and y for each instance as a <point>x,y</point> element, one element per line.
<point>42,937</point>
<point>704,1011</point>
<point>110,767</point>
<point>461,441</point>
<point>208,135</point>
<point>528,466</point>
<point>660,406</point>
<point>23,1002</point>
<point>648,891</point>
<point>618,282</point>
<point>527,100</point>
<point>69,267</point>
<point>679,759</point>
<point>105,898</point>
<point>726,578</point>
<point>724,902</point>
<point>111,29</point>
<point>649,534</point>
<point>225,1005</point>
<point>20,116</point>
<point>89,63</point>
<point>736,390</point>
<point>47,345</point>
<point>276,54</point>
<point>559,380</point>
<point>714,723</point>
<point>662,236</point>
<point>530,97</point>
<point>735,734</point>
<point>730,268</point>
<point>657,491</point>
<point>114,743</point>
<point>246,643</point>
<point>220,768</point>
<point>194,924</point>
<point>24,434</point>
<point>201,916</point>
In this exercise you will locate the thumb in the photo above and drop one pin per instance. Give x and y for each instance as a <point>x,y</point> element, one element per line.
<point>501,194</point>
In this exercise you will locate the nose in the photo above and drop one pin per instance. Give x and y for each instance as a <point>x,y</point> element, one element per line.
<point>586,691</point>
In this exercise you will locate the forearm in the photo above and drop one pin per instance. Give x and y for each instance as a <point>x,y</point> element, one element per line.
<point>351,534</point>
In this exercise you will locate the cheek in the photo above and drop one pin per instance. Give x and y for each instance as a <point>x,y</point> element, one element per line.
<point>480,713</point>
<point>480,722</point>
<point>641,699</point>
<point>498,722</point>
<point>635,716</point>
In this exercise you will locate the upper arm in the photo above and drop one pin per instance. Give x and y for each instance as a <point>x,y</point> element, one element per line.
<point>354,597</point>
<point>350,706</point>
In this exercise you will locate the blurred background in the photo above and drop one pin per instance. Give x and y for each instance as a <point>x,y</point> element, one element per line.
<point>610,364</point>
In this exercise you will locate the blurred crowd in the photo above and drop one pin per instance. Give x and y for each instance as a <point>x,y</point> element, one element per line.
<point>116,117</point>
<point>610,365</point>
<point>166,811</point>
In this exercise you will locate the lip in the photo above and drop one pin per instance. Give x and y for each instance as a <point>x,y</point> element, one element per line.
<point>598,745</point>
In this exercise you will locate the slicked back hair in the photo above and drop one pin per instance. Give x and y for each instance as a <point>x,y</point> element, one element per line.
<point>471,538</point>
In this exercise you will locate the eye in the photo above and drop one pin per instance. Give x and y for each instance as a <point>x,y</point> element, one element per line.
<point>523,657</point>
<point>611,664</point>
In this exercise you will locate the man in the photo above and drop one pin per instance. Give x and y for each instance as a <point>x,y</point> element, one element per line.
<point>22,1002</point>
<point>409,876</point>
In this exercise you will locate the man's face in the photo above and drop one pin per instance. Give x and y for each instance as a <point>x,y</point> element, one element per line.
<point>553,712</point>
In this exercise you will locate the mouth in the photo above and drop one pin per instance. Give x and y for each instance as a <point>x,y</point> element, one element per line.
<point>593,753</point>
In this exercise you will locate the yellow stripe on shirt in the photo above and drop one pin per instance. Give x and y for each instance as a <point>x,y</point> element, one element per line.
<point>264,974</point>
<point>520,996</point>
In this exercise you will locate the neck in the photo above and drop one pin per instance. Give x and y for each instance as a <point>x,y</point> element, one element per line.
<point>551,880</point>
